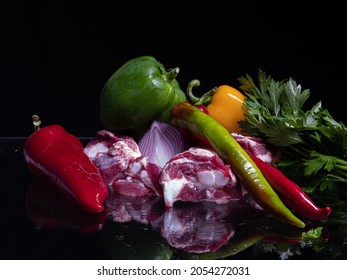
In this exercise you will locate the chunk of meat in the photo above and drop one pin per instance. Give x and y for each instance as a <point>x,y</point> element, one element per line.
<point>255,146</point>
<point>198,174</point>
<point>123,167</point>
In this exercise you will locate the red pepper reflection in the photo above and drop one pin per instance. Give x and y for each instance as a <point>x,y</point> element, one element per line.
<point>48,207</point>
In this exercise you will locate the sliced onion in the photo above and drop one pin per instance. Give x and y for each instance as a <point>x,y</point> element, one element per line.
<point>161,142</point>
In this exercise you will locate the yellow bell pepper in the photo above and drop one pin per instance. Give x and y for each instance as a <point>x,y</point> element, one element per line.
<point>227,108</point>
<point>223,103</point>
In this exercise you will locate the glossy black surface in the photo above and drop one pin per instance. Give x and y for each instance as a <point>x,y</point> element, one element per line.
<point>76,235</point>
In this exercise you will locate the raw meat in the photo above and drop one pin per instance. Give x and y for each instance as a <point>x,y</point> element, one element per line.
<point>255,146</point>
<point>198,174</point>
<point>122,165</point>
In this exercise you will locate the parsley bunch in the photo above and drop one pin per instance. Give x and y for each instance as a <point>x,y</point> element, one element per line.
<point>312,144</point>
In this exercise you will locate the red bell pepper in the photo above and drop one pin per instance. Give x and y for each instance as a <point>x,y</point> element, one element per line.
<point>59,156</point>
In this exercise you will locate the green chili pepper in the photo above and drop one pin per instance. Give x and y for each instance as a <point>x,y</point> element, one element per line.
<point>186,116</point>
<point>139,92</point>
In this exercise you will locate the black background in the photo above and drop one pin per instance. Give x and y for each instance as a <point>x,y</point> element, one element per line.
<point>57,55</point>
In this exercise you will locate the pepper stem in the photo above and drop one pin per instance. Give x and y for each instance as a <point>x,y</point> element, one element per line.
<point>205,99</point>
<point>36,122</point>
<point>172,74</point>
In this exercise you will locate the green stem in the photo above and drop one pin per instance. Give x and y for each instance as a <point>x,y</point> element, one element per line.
<point>205,99</point>
<point>341,164</point>
<point>340,171</point>
<point>337,178</point>
<point>172,74</point>
<point>191,85</point>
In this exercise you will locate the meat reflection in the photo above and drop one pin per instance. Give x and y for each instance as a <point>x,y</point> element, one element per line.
<point>197,227</point>
<point>143,209</point>
<point>192,227</point>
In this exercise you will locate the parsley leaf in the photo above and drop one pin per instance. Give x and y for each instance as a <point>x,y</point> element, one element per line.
<point>312,143</point>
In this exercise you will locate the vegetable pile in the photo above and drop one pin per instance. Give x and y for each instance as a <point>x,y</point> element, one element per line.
<point>149,123</point>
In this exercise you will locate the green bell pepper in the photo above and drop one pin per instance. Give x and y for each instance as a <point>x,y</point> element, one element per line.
<point>138,93</point>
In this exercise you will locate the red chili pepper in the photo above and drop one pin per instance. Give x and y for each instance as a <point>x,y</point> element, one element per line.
<point>290,193</point>
<point>59,156</point>
<point>196,138</point>
<point>201,141</point>
<point>202,108</point>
